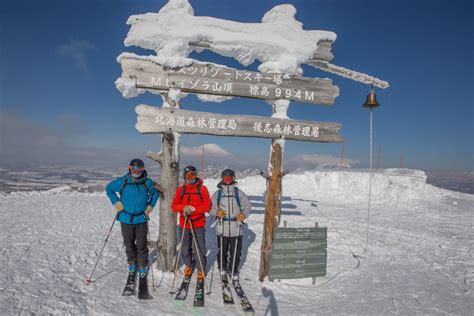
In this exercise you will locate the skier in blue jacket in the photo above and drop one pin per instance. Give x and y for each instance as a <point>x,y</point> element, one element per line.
<point>134,197</point>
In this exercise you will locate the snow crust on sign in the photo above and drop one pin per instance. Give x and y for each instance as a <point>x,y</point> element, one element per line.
<point>279,42</point>
<point>419,258</point>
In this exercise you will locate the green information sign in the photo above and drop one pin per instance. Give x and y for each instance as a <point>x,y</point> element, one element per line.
<point>298,253</point>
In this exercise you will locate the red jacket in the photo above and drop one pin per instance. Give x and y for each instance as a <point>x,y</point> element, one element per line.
<point>202,204</point>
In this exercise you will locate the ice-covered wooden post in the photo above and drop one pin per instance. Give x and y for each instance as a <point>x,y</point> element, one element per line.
<point>272,206</point>
<point>168,158</point>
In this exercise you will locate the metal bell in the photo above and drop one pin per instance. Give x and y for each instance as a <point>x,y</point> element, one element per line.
<point>371,101</point>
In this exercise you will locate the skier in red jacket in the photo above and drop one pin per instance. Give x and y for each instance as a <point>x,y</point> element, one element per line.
<point>192,201</point>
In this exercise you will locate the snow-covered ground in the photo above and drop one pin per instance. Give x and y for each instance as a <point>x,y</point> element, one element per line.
<point>419,259</point>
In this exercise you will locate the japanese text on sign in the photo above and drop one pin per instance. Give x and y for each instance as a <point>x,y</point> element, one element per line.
<point>231,124</point>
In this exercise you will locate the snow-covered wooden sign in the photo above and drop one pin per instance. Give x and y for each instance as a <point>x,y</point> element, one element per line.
<point>209,78</point>
<point>278,42</point>
<point>165,120</point>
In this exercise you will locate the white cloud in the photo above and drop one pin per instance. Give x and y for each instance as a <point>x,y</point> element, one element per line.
<point>24,140</point>
<point>76,50</point>
<point>213,150</point>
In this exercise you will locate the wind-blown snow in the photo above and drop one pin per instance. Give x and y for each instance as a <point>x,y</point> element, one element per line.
<point>419,258</point>
<point>279,42</point>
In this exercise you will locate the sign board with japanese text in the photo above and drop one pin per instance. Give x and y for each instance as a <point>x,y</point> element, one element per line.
<point>212,79</point>
<point>165,120</point>
<point>298,253</point>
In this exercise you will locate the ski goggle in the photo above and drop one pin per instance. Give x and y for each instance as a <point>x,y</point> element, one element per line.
<point>136,169</point>
<point>190,175</point>
<point>228,179</point>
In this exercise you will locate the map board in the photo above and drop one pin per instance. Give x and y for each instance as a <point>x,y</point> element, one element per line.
<point>298,253</point>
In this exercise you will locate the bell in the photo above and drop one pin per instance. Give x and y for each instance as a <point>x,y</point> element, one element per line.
<point>371,101</point>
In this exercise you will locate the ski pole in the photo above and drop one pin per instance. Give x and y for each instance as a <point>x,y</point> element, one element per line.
<point>89,280</point>
<point>151,257</point>
<point>179,254</point>
<point>220,252</point>
<point>199,255</point>
<point>235,248</point>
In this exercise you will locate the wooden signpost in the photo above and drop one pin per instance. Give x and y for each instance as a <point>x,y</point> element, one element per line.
<point>164,120</point>
<point>168,158</point>
<point>209,78</point>
<point>290,256</point>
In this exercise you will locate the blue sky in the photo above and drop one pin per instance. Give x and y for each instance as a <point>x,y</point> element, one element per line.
<point>58,101</point>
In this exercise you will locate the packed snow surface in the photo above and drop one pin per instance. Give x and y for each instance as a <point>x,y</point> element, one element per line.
<point>419,258</point>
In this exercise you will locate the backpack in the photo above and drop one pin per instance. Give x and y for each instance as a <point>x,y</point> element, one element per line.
<point>236,195</point>
<point>183,192</point>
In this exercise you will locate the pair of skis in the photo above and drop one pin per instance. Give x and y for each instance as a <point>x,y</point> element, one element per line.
<point>130,286</point>
<point>229,300</point>
<point>182,291</point>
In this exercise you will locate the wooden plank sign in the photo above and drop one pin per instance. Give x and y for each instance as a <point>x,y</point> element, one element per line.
<point>298,253</point>
<point>208,78</point>
<point>165,120</point>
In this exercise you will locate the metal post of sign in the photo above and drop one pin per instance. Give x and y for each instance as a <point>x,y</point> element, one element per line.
<point>370,103</point>
<point>370,185</point>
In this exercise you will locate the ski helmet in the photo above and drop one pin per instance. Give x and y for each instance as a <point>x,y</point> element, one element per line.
<point>137,163</point>
<point>228,176</point>
<point>228,172</point>
<point>190,174</point>
<point>136,168</point>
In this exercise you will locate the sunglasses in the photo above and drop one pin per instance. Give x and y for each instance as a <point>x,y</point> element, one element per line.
<point>136,169</point>
<point>190,175</point>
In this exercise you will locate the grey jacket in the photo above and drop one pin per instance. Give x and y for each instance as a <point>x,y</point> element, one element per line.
<point>229,204</point>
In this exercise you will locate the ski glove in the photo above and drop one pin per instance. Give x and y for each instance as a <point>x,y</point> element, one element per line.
<point>148,209</point>
<point>240,217</point>
<point>220,213</point>
<point>188,209</point>
<point>118,206</point>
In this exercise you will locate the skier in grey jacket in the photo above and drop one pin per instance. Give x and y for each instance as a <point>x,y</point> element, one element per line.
<point>231,207</point>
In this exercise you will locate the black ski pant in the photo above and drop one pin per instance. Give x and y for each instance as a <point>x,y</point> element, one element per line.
<point>135,239</point>
<point>228,250</point>
<point>189,251</point>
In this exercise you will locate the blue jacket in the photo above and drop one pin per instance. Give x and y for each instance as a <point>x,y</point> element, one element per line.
<point>136,195</point>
